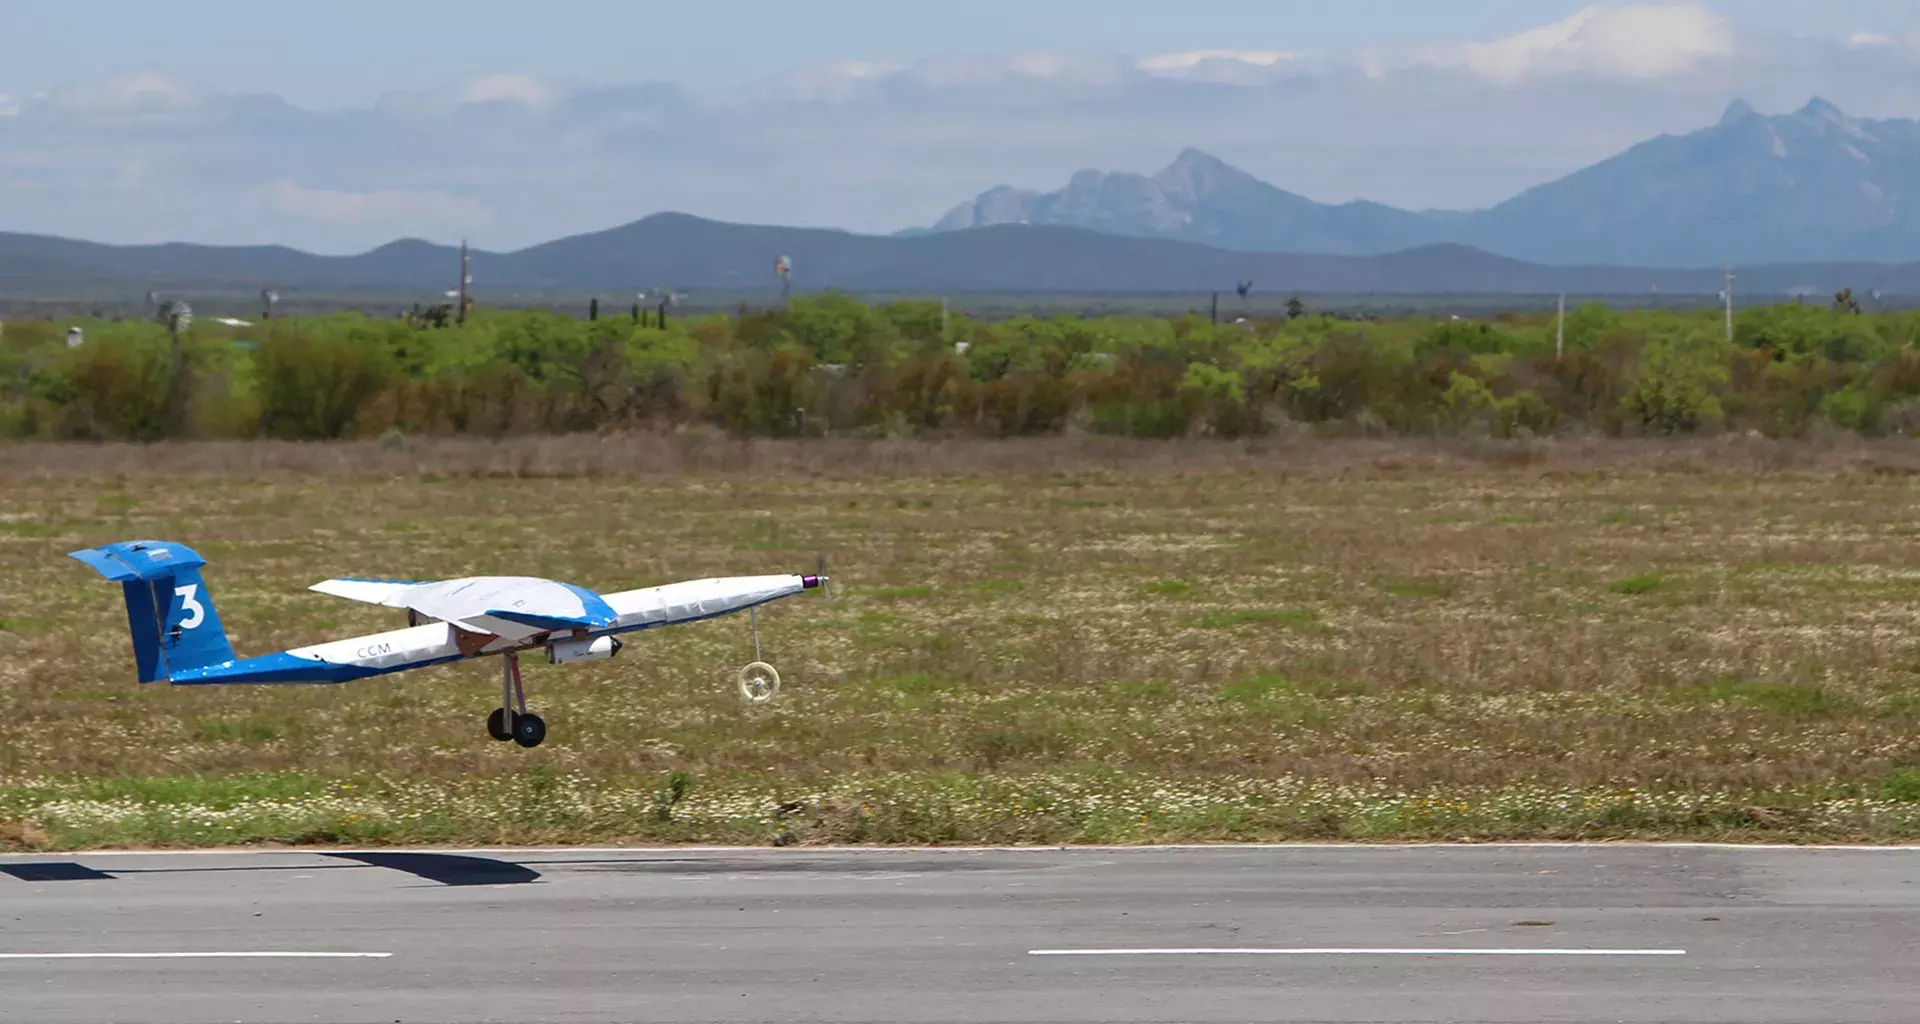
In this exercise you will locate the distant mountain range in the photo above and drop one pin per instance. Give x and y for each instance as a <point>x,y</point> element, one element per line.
<point>691,254</point>
<point>1784,199</point>
<point>1811,186</point>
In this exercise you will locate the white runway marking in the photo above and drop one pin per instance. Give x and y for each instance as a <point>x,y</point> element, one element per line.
<point>274,954</point>
<point>1355,951</point>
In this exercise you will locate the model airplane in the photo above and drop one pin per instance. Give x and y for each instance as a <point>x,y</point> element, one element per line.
<point>177,637</point>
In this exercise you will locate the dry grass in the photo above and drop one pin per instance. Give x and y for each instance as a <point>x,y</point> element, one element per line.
<point>1054,640</point>
<point>23,835</point>
<point>704,452</point>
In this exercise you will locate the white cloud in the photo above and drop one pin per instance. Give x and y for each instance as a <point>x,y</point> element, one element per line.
<point>150,92</point>
<point>956,73</point>
<point>389,208</point>
<point>835,82</point>
<point>1615,40</point>
<point>964,73</point>
<point>1168,63</point>
<point>9,107</point>
<point>526,90</point>
<point>1864,39</point>
<point>1219,67</point>
<point>1065,67</point>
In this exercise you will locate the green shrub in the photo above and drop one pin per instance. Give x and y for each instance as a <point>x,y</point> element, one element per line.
<point>312,385</point>
<point>830,364</point>
<point>1674,389</point>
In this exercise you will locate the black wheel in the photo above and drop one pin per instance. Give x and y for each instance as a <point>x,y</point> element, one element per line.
<point>497,726</point>
<point>529,730</point>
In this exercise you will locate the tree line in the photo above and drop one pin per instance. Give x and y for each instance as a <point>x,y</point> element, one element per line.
<point>829,364</point>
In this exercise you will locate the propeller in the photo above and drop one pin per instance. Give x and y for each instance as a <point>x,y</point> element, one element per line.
<point>820,570</point>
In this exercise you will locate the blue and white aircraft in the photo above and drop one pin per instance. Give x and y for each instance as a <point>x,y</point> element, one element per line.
<point>177,637</point>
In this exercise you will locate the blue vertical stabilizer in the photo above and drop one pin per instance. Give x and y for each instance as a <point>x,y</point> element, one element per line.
<point>169,612</point>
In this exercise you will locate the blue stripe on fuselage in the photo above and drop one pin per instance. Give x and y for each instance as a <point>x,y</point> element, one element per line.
<point>286,668</point>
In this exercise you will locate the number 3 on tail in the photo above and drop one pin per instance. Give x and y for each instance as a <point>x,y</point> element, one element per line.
<point>195,612</point>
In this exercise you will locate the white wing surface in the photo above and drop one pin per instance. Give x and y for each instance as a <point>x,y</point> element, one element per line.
<point>694,600</point>
<point>514,607</point>
<point>390,593</point>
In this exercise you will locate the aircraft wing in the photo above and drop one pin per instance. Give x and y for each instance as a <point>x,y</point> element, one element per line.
<point>491,608</point>
<point>390,593</point>
<point>537,623</point>
<point>514,608</point>
<point>693,600</point>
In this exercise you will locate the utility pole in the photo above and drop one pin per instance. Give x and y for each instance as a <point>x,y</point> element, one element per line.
<point>1560,331</point>
<point>179,316</point>
<point>464,279</point>
<point>1729,295</point>
<point>944,336</point>
<point>1216,308</point>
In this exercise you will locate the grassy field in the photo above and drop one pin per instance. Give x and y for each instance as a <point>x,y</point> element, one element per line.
<point>1049,642</point>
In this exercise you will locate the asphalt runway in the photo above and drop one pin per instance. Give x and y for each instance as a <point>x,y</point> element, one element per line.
<point>1414,934</point>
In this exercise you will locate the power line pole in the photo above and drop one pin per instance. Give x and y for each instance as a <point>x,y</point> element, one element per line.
<point>1560,330</point>
<point>464,279</point>
<point>1729,295</point>
<point>178,316</point>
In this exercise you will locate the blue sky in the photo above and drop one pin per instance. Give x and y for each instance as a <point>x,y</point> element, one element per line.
<point>345,52</point>
<point>337,126</point>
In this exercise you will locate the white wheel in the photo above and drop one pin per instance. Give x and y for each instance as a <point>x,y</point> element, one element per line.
<point>759,682</point>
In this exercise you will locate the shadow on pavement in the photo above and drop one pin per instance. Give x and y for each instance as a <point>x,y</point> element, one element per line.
<point>53,871</point>
<point>447,868</point>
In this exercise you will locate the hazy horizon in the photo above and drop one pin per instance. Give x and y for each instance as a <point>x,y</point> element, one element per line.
<point>203,124</point>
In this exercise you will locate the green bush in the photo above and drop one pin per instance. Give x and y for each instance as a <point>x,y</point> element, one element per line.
<point>115,387</point>
<point>1524,414</point>
<point>829,364</point>
<point>1674,389</point>
<point>312,385</point>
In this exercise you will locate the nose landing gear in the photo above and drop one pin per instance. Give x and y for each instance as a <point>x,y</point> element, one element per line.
<point>758,682</point>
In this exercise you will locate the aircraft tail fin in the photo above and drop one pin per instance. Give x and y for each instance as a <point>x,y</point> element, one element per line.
<point>169,612</point>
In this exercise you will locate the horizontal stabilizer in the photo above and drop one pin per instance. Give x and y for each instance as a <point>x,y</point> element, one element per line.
<point>139,560</point>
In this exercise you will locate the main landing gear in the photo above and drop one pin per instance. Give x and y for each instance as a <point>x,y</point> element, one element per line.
<point>505,723</point>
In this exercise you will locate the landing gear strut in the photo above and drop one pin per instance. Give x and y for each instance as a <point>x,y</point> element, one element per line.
<point>512,720</point>
<point>758,682</point>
